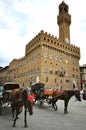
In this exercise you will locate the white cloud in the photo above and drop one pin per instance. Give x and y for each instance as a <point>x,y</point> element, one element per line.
<point>21,20</point>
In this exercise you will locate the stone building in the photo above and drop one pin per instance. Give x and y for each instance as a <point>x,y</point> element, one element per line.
<point>83,76</point>
<point>55,62</point>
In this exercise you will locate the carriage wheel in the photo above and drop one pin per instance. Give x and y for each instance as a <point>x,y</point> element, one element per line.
<point>41,104</point>
<point>55,107</point>
<point>0,108</point>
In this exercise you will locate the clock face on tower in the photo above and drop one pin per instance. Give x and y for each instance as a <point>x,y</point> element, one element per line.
<point>66,40</point>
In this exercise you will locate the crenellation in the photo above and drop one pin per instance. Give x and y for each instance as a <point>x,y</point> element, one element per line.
<point>42,31</point>
<point>46,33</point>
<point>52,36</point>
<point>49,34</point>
<point>55,37</point>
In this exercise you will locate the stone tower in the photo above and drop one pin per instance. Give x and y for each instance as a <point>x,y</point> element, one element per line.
<point>64,21</point>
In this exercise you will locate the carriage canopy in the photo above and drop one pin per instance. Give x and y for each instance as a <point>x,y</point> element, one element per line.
<point>37,86</point>
<point>10,86</point>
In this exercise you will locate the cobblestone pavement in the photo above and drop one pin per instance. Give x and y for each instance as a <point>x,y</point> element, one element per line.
<point>47,119</point>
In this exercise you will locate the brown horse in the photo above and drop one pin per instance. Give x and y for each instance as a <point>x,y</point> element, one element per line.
<point>64,95</point>
<point>21,98</point>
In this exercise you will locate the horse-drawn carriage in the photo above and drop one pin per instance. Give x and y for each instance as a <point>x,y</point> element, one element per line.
<point>5,94</point>
<point>38,90</point>
<point>51,97</point>
<point>42,94</point>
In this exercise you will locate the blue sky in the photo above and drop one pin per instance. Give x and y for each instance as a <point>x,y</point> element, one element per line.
<point>22,20</point>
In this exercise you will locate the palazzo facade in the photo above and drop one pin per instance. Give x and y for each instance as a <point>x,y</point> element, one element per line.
<point>48,59</point>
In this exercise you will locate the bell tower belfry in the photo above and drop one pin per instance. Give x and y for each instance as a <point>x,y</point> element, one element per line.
<point>64,21</point>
